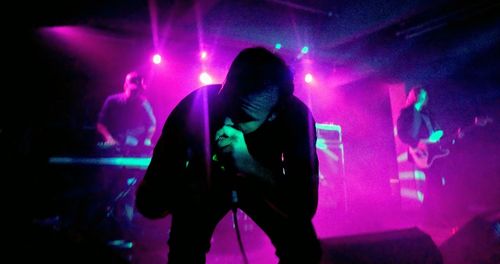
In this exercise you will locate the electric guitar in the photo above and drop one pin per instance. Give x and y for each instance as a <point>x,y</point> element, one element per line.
<point>426,152</point>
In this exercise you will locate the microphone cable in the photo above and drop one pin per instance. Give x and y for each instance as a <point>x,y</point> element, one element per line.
<point>234,197</point>
<point>234,209</point>
<point>234,202</point>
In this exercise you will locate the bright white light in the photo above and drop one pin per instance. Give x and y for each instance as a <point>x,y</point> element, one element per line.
<point>203,55</point>
<point>205,78</point>
<point>308,78</point>
<point>157,59</point>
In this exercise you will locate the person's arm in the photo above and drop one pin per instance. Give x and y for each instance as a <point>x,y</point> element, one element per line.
<point>103,117</point>
<point>437,132</point>
<point>108,138</point>
<point>434,137</point>
<point>149,135</point>
<point>151,124</point>
<point>159,189</point>
<point>232,145</point>
<point>293,188</point>
<point>300,182</point>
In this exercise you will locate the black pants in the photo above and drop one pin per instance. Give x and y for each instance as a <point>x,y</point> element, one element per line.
<point>192,227</point>
<point>435,194</point>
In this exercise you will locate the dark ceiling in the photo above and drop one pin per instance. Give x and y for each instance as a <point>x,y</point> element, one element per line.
<point>322,23</point>
<point>343,31</point>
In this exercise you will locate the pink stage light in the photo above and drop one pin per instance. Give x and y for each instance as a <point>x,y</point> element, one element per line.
<point>205,78</point>
<point>157,59</point>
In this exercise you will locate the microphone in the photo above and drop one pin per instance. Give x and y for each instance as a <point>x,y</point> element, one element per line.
<point>234,193</point>
<point>227,169</point>
<point>230,171</point>
<point>234,197</point>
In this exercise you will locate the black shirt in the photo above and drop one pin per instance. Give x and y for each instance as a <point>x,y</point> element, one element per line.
<point>182,168</point>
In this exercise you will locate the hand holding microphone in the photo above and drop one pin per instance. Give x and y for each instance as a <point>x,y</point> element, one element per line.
<point>233,148</point>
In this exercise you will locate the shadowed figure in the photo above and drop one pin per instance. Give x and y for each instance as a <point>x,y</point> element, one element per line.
<point>247,144</point>
<point>127,118</point>
<point>421,133</point>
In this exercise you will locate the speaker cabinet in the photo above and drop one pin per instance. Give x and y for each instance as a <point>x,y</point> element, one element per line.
<point>407,246</point>
<point>478,241</point>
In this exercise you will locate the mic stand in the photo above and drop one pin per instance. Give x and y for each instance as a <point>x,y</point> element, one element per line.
<point>234,208</point>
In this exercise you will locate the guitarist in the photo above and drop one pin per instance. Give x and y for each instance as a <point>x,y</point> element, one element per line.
<point>416,128</point>
<point>419,131</point>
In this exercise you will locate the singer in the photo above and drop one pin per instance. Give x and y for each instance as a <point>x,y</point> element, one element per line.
<point>248,143</point>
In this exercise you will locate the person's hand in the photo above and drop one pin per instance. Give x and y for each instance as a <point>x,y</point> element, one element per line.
<point>109,143</point>
<point>435,136</point>
<point>231,143</point>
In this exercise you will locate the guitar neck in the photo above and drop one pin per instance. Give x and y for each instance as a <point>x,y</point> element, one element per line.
<point>478,122</point>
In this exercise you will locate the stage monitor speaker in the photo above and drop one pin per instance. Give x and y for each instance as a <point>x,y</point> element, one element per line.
<point>392,247</point>
<point>478,241</point>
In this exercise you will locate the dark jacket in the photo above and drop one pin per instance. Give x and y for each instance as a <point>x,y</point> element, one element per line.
<point>182,170</point>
